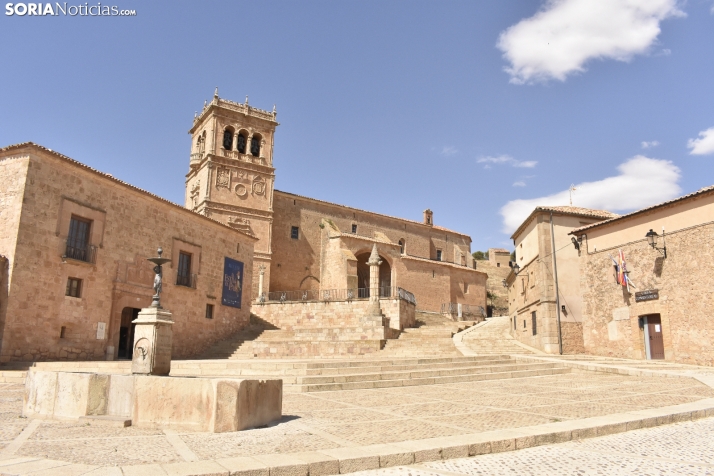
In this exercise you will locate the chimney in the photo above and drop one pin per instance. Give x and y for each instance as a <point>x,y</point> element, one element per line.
<point>428,217</point>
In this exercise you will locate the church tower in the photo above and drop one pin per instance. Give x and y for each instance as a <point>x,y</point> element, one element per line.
<point>231,175</point>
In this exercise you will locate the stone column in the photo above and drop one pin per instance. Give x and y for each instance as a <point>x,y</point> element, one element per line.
<point>374,309</point>
<point>261,274</point>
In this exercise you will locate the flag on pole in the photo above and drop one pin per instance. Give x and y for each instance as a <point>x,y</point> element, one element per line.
<point>623,279</point>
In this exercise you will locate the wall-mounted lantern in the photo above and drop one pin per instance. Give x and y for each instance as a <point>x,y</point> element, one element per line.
<point>505,284</point>
<point>652,237</point>
<point>575,243</point>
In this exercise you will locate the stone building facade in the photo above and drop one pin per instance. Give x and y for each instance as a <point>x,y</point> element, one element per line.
<point>668,315</point>
<point>498,257</point>
<point>532,302</point>
<point>73,272</point>
<point>309,244</point>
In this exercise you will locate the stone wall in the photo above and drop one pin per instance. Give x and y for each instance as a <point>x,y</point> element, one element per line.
<point>42,323</point>
<point>685,304</point>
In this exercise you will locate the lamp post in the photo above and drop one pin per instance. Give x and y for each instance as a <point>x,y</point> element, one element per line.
<point>652,238</point>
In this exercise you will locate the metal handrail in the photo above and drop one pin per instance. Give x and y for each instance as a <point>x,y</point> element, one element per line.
<point>330,295</point>
<point>452,309</point>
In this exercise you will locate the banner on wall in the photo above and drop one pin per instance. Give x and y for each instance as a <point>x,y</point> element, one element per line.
<point>232,283</point>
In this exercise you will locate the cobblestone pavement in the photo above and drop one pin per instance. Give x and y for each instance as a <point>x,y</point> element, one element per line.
<point>679,449</point>
<point>327,420</point>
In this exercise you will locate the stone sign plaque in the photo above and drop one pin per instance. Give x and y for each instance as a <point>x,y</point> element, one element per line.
<point>649,295</point>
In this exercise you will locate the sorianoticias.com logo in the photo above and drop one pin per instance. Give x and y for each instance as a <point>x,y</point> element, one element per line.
<point>57,9</point>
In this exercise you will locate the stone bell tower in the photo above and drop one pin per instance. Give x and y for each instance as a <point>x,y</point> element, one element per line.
<point>231,174</point>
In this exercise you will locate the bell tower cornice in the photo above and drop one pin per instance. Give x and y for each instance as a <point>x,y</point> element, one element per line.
<point>217,104</point>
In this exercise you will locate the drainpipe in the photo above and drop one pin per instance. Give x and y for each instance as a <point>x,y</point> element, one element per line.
<point>557,291</point>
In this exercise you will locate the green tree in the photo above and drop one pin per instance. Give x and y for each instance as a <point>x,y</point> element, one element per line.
<point>480,255</point>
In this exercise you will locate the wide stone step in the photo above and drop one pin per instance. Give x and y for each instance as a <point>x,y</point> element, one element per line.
<point>13,376</point>
<point>423,381</point>
<point>426,373</point>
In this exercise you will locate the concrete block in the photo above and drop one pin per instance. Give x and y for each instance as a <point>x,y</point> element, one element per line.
<point>72,395</point>
<point>244,466</point>
<point>480,448</point>
<point>195,468</point>
<point>611,428</point>
<point>353,459</point>
<point>121,395</point>
<point>284,464</point>
<point>319,464</point>
<point>40,391</point>
<point>553,437</point>
<point>501,446</point>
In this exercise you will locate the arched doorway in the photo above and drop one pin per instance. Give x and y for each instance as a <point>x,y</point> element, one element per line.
<point>126,332</point>
<point>385,276</point>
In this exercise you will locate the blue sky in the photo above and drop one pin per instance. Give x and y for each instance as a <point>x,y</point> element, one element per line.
<point>478,110</point>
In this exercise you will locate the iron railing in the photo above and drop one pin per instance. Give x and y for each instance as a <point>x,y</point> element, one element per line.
<point>188,280</point>
<point>336,295</point>
<point>467,311</point>
<point>86,253</point>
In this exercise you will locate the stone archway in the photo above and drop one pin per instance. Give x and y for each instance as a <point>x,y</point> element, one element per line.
<point>385,275</point>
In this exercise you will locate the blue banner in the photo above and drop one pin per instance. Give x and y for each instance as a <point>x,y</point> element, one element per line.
<point>232,283</point>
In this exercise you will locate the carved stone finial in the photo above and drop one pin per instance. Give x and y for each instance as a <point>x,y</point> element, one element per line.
<point>215,94</point>
<point>374,257</point>
<point>274,110</point>
<point>195,114</point>
<point>205,103</point>
<point>246,100</point>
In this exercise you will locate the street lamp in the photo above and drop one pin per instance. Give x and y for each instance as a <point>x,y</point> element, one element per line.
<point>652,237</point>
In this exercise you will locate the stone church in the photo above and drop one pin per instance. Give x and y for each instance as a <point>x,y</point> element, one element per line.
<point>309,244</point>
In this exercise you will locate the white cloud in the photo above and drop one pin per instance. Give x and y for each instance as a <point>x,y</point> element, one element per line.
<point>565,34</point>
<point>520,183</point>
<point>650,144</point>
<point>704,144</point>
<point>448,151</point>
<point>642,182</point>
<point>508,160</point>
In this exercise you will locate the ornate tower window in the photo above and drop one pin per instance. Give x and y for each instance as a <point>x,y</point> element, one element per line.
<point>228,139</point>
<point>255,146</point>
<point>242,142</point>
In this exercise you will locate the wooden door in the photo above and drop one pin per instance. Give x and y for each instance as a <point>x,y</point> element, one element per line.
<point>654,329</point>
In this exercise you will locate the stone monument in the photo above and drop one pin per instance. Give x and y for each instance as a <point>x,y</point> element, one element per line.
<point>374,308</point>
<point>153,332</point>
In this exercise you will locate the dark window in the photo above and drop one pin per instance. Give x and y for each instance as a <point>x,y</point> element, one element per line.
<point>227,140</point>
<point>354,228</point>
<point>294,232</point>
<point>209,311</point>
<point>183,277</point>
<point>78,239</point>
<point>438,255</point>
<point>63,331</point>
<point>498,265</point>
<point>534,323</point>
<point>74,287</point>
<point>241,143</point>
<point>514,323</point>
<point>401,246</point>
<point>255,146</point>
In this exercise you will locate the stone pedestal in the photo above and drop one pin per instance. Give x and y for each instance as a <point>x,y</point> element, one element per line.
<point>152,342</point>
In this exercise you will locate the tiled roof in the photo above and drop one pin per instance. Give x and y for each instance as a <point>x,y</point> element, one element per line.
<point>566,210</point>
<point>701,191</point>
<point>436,227</point>
<point>22,145</point>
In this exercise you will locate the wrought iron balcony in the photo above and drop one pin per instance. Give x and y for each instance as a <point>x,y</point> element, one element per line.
<point>187,280</point>
<point>79,252</point>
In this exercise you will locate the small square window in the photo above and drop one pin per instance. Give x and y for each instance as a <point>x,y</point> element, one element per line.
<point>209,311</point>
<point>294,232</point>
<point>466,288</point>
<point>354,228</point>
<point>74,287</point>
<point>438,255</point>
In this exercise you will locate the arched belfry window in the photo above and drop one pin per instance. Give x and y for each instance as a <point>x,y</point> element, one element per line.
<point>401,246</point>
<point>241,143</point>
<point>255,146</point>
<point>228,139</point>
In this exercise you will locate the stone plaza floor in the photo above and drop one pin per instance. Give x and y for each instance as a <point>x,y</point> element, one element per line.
<point>680,449</point>
<point>344,419</point>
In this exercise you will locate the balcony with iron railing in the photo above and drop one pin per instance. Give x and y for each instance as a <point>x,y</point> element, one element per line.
<point>80,252</point>
<point>187,280</point>
<point>323,295</point>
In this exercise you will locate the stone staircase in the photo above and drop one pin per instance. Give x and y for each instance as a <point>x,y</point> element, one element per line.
<point>493,338</point>
<point>300,338</point>
<point>432,337</point>
<point>301,376</point>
